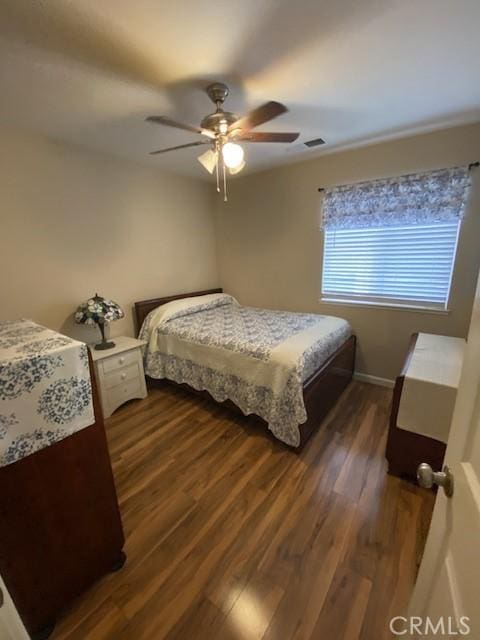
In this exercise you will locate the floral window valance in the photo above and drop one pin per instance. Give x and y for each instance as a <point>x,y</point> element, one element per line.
<point>421,198</point>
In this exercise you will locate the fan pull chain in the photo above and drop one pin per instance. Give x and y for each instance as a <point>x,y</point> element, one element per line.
<point>225,198</point>
<point>218,178</point>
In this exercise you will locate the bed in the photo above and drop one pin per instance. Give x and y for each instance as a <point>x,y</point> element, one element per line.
<point>286,368</point>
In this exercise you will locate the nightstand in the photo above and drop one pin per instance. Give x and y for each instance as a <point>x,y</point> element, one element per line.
<point>119,373</point>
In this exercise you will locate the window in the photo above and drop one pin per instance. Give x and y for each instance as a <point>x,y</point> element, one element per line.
<point>408,265</point>
<point>393,241</point>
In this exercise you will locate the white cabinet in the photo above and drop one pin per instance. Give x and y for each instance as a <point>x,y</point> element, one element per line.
<point>119,373</point>
<point>423,402</point>
<point>430,387</point>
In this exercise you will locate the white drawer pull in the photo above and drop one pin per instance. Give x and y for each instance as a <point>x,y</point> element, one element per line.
<point>124,375</point>
<point>121,360</point>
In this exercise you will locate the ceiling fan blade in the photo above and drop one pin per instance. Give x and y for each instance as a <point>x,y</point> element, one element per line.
<point>165,120</point>
<point>180,146</point>
<point>266,136</point>
<point>252,119</point>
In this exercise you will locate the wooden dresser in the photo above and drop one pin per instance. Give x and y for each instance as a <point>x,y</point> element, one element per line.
<point>60,527</point>
<point>423,402</point>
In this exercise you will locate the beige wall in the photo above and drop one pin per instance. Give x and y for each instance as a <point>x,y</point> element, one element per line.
<point>270,247</point>
<point>73,223</point>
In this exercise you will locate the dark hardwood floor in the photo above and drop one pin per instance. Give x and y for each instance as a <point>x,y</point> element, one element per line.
<point>231,535</point>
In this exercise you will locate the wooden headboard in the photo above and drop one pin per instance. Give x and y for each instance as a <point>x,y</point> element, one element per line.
<point>143,308</point>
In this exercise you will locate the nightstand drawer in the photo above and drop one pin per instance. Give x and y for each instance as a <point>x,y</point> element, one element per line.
<point>125,374</point>
<point>119,373</point>
<point>120,361</point>
<point>119,394</point>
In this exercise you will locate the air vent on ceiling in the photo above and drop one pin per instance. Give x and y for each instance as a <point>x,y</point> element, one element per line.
<point>314,143</point>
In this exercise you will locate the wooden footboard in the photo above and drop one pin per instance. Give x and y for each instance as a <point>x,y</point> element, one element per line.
<point>322,390</point>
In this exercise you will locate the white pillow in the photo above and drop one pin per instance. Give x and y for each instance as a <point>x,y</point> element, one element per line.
<point>185,306</point>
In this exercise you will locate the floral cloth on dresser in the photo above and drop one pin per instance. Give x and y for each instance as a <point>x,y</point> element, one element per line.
<point>257,358</point>
<point>45,389</point>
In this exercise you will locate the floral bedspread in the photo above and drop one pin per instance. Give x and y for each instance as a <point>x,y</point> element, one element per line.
<point>259,359</point>
<point>45,389</point>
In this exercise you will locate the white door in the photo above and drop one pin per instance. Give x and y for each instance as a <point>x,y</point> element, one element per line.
<point>11,627</point>
<point>446,598</point>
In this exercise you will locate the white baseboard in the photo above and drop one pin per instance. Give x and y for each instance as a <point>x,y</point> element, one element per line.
<point>381,382</point>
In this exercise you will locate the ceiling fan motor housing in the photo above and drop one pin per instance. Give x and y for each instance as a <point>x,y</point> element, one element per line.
<point>214,121</point>
<point>220,120</point>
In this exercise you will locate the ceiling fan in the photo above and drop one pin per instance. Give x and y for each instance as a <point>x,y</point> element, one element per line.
<point>224,130</point>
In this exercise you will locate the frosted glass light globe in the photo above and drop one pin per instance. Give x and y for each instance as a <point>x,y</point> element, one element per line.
<point>232,155</point>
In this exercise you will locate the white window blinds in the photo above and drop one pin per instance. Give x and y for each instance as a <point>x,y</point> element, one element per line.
<point>407,265</point>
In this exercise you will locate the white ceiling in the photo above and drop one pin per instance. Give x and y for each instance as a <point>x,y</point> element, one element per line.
<point>90,71</point>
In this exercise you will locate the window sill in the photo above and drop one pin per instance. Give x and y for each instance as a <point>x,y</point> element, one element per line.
<point>385,305</point>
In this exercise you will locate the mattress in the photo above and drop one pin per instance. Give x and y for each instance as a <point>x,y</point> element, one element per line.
<point>257,358</point>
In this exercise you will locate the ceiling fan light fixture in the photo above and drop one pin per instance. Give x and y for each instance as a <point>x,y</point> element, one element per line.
<point>208,160</point>
<point>233,155</point>
<point>236,170</point>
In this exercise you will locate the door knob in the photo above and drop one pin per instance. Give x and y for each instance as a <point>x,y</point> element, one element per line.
<point>427,478</point>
